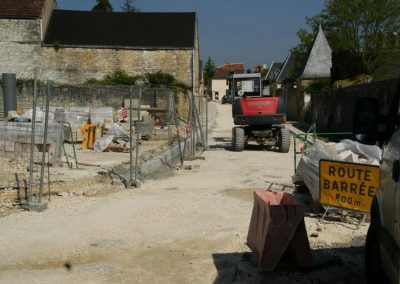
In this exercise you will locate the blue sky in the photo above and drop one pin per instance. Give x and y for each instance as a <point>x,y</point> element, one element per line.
<point>238,31</point>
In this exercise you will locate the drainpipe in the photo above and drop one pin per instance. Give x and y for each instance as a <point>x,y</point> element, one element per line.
<point>9,92</point>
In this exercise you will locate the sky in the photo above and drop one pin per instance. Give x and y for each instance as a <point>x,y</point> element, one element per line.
<point>233,31</point>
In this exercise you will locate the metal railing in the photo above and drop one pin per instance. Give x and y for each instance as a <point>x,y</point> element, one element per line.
<point>309,138</point>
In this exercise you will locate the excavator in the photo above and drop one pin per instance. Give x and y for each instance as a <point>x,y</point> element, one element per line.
<point>257,117</point>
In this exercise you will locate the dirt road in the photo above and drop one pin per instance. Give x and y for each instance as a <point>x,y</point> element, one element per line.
<point>187,228</point>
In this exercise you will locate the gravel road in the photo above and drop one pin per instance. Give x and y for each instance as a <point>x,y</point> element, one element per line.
<point>190,227</point>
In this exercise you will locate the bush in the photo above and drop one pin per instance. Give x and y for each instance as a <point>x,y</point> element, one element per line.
<point>159,78</point>
<point>117,78</point>
<point>318,86</point>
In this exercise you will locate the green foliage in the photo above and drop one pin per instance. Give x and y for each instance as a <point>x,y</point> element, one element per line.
<point>264,72</point>
<point>302,50</point>
<point>361,28</point>
<point>150,79</point>
<point>26,81</point>
<point>56,45</point>
<point>346,64</point>
<point>164,79</point>
<point>20,82</point>
<point>387,64</point>
<point>159,78</point>
<point>318,86</point>
<point>358,27</point>
<point>102,6</point>
<point>208,71</point>
<point>129,7</point>
<point>117,78</point>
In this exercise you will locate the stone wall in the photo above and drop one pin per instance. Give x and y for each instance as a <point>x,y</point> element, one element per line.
<point>15,139</point>
<point>218,86</point>
<point>48,7</point>
<point>65,96</point>
<point>76,65</point>
<point>21,52</point>
<point>19,46</point>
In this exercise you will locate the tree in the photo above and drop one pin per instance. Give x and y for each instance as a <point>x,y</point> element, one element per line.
<point>128,6</point>
<point>359,27</point>
<point>102,6</point>
<point>346,64</point>
<point>302,50</point>
<point>208,72</point>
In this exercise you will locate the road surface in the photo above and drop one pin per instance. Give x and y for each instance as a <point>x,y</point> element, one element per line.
<point>190,227</point>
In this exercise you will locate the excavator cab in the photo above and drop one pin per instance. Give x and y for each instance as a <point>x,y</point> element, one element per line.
<point>258,117</point>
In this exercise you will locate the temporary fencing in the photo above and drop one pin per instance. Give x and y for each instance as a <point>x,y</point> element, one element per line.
<point>124,130</point>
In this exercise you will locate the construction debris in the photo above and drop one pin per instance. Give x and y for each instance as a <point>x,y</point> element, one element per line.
<point>345,151</point>
<point>116,140</point>
<point>102,143</point>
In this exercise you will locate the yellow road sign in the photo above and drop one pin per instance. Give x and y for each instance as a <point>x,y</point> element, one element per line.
<point>348,185</point>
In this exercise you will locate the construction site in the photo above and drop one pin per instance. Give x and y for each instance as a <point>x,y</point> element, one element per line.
<point>121,134</point>
<point>114,200</point>
<point>128,154</point>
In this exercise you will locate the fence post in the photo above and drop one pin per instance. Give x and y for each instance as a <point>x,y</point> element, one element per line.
<point>199,126</point>
<point>138,137</point>
<point>37,205</point>
<point>130,137</point>
<point>32,137</point>
<point>175,112</point>
<point>44,147</point>
<point>206,102</point>
<point>188,124</point>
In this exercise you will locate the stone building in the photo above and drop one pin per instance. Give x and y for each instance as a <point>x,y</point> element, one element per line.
<point>22,28</point>
<point>71,47</point>
<point>219,84</point>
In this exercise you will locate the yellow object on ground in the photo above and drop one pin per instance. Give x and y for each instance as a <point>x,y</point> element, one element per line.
<point>89,136</point>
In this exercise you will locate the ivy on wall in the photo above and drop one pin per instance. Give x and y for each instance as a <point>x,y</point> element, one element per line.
<point>159,78</point>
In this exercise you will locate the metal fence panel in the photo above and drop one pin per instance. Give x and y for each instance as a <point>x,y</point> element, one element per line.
<point>122,130</point>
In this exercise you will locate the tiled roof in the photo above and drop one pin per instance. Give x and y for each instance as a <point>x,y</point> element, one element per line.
<point>274,71</point>
<point>21,8</point>
<point>223,71</point>
<point>124,30</point>
<point>285,72</point>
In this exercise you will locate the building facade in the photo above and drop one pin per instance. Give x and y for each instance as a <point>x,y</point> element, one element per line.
<point>219,84</point>
<point>71,47</point>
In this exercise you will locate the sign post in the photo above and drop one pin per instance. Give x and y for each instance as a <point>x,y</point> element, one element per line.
<point>348,185</point>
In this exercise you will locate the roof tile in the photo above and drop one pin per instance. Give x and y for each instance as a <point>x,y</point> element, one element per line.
<point>120,29</point>
<point>223,71</point>
<point>21,8</point>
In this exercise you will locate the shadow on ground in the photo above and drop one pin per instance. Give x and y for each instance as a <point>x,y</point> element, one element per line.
<point>221,143</point>
<point>226,143</point>
<point>331,265</point>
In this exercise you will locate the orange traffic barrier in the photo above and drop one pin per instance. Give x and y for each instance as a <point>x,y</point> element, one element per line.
<point>277,226</point>
<point>89,136</point>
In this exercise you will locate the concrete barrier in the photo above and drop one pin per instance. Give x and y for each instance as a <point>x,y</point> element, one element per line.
<point>277,226</point>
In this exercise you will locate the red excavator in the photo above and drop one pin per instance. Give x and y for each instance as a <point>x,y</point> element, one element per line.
<point>257,117</point>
